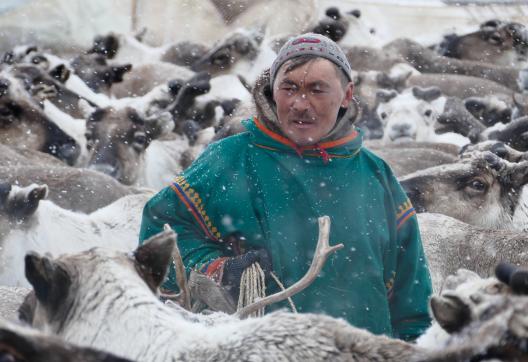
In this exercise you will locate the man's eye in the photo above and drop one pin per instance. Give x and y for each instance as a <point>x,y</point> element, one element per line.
<point>289,90</point>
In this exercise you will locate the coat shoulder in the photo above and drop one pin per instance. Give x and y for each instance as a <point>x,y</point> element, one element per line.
<point>378,163</point>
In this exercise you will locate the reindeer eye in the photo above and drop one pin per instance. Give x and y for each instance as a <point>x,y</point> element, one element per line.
<point>383,115</point>
<point>477,185</point>
<point>140,141</point>
<point>475,298</point>
<point>495,39</point>
<point>221,59</point>
<point>140,138</point>
<point>428,113</point>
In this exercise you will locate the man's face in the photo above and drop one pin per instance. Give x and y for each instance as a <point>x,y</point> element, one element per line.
<point>308,99</point>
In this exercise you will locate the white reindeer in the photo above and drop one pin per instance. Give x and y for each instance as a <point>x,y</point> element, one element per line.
<point>27,222</point>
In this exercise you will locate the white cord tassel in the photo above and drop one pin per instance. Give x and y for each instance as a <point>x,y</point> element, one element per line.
<point>253,287</point>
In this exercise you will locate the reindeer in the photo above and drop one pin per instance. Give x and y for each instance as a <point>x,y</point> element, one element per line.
<point>24,124</point>
<point>463,298</point>
<point>70,293</point>
<point>27,222</point>
<point>496,42</point>
<point>411,115</point>
<point>486,189</point>
<point>75,189</point>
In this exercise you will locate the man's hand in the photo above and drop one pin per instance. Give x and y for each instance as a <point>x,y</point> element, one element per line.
<point>234,267</point>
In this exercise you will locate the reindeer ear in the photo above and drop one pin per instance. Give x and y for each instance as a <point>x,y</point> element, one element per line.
<point>119,71</point>
<point>50,282</point>
<point>154,256</point>
<point>384,95</point>
<point>333,12</point>
<point>451,313</point>
<point>25,201</point>
<point>490,25</point>
<point>61,73</point>
<point>427,94</point>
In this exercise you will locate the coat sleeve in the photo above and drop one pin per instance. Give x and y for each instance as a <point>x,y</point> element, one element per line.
<point>409,283</point>
<point>197,250</point>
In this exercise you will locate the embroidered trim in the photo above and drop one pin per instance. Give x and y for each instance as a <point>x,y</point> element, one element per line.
<point>214,269</point>
<point>310,154</point>
<point>390,286</point>
<point>405,212</point>
<point>193,202</point>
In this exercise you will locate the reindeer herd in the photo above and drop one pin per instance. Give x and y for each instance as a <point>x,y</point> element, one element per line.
<point>86,140</point>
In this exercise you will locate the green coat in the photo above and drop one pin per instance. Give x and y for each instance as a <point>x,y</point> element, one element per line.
<point>255,184</point>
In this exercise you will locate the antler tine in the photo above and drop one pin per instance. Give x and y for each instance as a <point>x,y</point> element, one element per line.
<point>322,251</point>
<point>183,298</point>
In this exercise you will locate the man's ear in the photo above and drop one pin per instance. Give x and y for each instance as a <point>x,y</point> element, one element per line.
<point>349,93</point>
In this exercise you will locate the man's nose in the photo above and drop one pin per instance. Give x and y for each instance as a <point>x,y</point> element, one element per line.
<point>301,102</point>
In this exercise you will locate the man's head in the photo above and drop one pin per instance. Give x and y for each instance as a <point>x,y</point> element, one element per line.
<point>311,83</point>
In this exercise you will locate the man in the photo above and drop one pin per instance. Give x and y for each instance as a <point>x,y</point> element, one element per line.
<point>257,195</point>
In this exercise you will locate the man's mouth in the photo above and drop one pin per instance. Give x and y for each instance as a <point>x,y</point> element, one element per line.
<point>303,123</point>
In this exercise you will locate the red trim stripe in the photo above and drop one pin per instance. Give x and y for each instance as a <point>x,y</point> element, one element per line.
<point>279,138</point>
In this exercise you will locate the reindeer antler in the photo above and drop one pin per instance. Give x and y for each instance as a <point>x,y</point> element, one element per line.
<point>322,251</point>
<point>183,298</point>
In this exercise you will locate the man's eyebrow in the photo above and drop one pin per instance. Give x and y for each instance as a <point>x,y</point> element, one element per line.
<point>320,83</point>
<point>287,81</point>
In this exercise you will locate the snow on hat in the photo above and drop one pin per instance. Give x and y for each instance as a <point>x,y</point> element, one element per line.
<point>311,43</point>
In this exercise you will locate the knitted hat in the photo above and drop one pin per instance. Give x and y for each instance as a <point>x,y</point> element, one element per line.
<point>311,43</point>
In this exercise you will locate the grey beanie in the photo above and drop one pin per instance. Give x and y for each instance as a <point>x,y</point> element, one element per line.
<point>310,43</point>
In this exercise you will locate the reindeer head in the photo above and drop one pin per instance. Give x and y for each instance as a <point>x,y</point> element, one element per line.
<point>61,284</point>
<point>489,110</point>
<point>495,42</point>
<point>23,123</point>
<point>485,314</point>
<point>107,45</point>
<point>117,140</point>
<point>96,73</point>
<point>410,115</point>
<point>239,46</point>
<point>454,308</point>
<point>484,188</point>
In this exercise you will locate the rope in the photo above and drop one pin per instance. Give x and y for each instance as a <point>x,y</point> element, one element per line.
<point>253,287</point>
<point>292,306</point>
